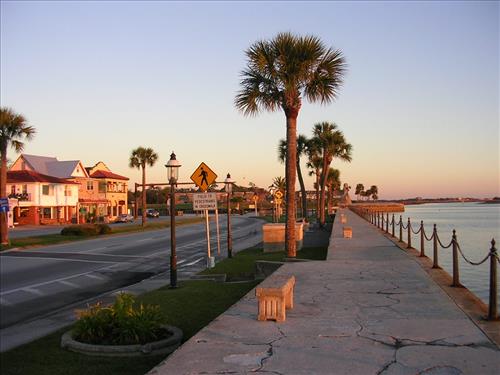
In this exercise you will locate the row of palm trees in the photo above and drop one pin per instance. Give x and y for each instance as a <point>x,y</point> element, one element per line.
<point>372,192</point>
<point>327,143</point>
<point>279,73</point>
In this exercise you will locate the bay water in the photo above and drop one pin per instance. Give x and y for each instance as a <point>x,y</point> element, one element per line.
<point>476,224</point>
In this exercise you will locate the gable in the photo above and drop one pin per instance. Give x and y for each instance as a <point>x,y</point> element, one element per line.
<point>100,166</point>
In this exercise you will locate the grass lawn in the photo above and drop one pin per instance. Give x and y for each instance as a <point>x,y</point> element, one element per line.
<point>51,239</point>
<point>190,307</point>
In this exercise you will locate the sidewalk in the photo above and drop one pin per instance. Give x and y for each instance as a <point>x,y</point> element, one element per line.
<point>369,309</point>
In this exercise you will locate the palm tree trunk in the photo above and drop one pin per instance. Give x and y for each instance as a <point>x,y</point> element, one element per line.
<point>324,177</point>
<point>317,195</point>
<point>302,190</point>
<point>143,195</point>
<point>291,171</point>
<point>4,230</point>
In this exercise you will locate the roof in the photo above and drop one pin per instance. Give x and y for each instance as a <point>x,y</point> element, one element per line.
<point>51,166</point>
<point>39,163</point>
<point>106,174</point>
<point>32,176</point>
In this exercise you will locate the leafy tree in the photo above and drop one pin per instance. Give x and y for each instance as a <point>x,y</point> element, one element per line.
<point>140,158</point>
<point>13,130</point>
<point>302,145</point>
<point>279,73</point>
<point>333,145</point>
<point>359,189</point>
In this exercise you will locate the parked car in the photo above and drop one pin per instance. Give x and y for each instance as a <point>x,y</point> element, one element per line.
<point>151,212</point>
<point>124,218</point>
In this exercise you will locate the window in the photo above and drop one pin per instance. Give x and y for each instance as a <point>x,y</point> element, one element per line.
<point>47,189</point>
<point>47,212</point>
<point>25,189</point>
<point>67,191</point>
<point>90,185</point>
<point>13,189</point>
<point>24,212</point>
<point>102,186</point>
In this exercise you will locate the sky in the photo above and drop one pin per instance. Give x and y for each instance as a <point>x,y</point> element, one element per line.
<point>420,101</point>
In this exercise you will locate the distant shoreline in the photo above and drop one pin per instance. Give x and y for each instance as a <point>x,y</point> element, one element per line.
<point>409,202</point>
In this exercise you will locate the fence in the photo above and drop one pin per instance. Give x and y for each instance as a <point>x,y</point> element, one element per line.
<point>383,222</point>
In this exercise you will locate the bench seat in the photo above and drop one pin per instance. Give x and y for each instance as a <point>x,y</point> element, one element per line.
<point>275,295</point>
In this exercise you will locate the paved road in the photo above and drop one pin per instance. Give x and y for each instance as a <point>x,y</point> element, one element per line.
<point>34,282</point>
<point>39,230</point>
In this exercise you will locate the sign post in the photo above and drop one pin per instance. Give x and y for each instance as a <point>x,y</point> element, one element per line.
<point>205,202</point>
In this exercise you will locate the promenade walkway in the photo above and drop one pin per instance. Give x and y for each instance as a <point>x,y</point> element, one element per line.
<point>369,309</point>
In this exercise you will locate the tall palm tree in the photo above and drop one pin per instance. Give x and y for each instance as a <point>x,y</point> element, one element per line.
<point>302,145</point>
<point>13,130</point>
<point>279,73</point>
<point>333,183</point>
<point>359,189</point>
<point>140,158</point>
<point>333,145</point>
<point>279,183</point>
<point>315,162</point>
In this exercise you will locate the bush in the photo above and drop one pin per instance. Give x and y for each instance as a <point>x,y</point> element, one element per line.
<point>120,323</point>
<point>86,230</point>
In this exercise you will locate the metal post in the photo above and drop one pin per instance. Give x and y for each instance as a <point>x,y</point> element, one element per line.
<point>400,228</point>
<point>173,253</point>
<point>409,234</point>
<point>378,219</point>
<point>492,309</point>
<point>393,225</point>
<point>387,223</point>
<point>435,248</point>
<point>229,239</point>
<point>135,201</point>
<point>422,239</point>
<point>456,277</point>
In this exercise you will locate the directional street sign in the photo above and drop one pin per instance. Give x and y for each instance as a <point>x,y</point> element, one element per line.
<point>4,204</point>
<point>203,177</point>
<point>204,201</point>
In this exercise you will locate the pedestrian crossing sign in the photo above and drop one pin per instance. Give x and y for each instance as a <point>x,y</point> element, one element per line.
<point>203,177</point>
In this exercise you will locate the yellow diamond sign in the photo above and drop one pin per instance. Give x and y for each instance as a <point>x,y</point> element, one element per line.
<point>278,194</point>
<point>203,177</point>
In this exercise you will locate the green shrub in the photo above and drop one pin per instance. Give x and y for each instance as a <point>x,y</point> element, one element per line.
<point>86,230</point>
<point>120,323</point>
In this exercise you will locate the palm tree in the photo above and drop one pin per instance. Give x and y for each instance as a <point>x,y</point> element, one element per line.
<point>13,130</point>
<point>315,162</point>
<point>140,158</point>
<point>302,145</point>
<point>333,145</point>
<point>374,192</point>
<point>359,189</point>
<point>279,183</point>
<point>332,182</point>
<point>279,73</point>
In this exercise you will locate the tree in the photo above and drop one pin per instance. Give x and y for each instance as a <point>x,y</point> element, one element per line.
<point>333,183</point>
<point>13,130</point>
<point>140,158</point>
<point>279,73</point>
<point>315,162</point>
<point>333,145</point>
<point>302,145</point>
<point>359,189</point>
<point>374,192</point>
<point>279,183</point>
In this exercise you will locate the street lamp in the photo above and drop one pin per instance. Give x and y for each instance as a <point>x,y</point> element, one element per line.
<point>229,189</point>
<point>173,166</point>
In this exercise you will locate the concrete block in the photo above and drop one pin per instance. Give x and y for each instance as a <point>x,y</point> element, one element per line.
<point>273,236</point>
<point>347,232</point>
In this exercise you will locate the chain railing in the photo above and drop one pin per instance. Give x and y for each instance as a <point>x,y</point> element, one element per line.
<point>377,218</point>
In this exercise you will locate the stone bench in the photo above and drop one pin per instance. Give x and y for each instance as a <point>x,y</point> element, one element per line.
<point>275,295</point>
<point>347,232</point>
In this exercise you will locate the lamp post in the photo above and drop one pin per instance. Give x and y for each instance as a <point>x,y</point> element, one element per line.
<point>229,189</point>
<point>173,166</point>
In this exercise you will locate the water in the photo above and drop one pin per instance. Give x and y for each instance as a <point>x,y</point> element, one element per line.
<point>476,224</point>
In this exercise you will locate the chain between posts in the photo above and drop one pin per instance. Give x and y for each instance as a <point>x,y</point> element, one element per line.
<point>377,218</point>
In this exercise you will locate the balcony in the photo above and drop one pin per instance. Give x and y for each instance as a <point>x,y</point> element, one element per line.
<point>22,197</point>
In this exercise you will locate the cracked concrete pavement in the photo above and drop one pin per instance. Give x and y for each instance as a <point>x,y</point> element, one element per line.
<point>369,309</point>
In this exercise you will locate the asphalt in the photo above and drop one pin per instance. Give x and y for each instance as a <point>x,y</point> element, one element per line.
<point>370,308</point>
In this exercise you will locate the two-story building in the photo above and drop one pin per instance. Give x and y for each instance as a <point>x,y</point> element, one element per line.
<point>42,199</point>
<point>101,195</point>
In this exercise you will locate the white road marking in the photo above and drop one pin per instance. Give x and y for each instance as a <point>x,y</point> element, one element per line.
<point>144,239</point>
<point>34,291</point>
<point>94,276</point>
<point>196,261</point>
<point>70,284</point>
<point>4,302</point>
<point>65,259</point>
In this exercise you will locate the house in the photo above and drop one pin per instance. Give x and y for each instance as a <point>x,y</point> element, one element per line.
<point>42,199</point>
<point>102,194</point>
<point>108,186</point>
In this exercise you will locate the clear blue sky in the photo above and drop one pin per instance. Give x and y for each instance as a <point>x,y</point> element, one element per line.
<point>420,104</point>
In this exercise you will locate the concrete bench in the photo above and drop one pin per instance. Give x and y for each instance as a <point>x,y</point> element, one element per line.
<point>347,232</point>
<point>275,295</point>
